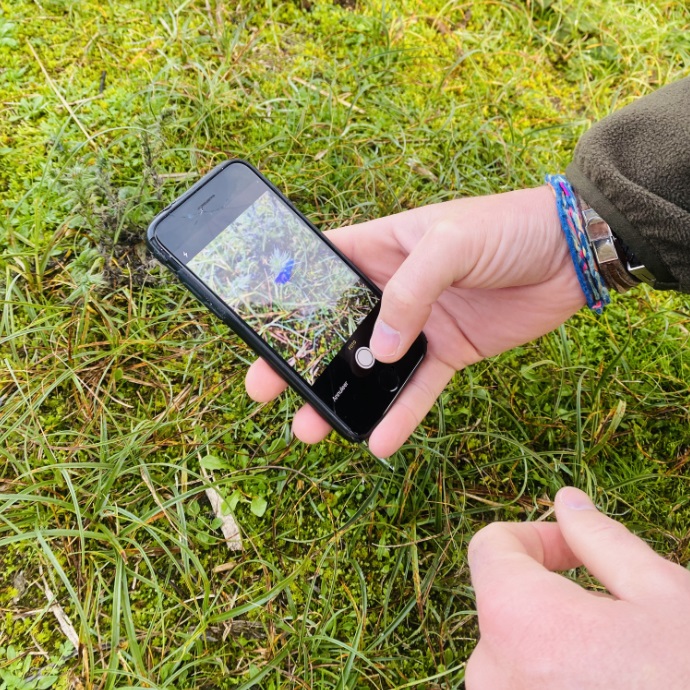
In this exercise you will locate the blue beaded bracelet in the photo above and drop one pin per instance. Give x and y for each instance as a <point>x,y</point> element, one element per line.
<point>588,275</point>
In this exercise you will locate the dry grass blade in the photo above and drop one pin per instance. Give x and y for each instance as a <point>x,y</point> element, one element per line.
<point>228,526</point>
<point>63,620</point>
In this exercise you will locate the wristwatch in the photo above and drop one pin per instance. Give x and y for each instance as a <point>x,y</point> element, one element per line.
<point>618,267</point>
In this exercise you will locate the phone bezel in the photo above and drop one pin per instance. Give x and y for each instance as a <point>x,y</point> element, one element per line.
<point>211,301</point>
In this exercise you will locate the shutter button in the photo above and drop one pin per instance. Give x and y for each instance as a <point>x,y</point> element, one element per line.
<point>365,358</point>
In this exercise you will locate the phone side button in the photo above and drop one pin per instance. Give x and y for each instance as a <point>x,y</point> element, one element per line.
<point>389,379</point>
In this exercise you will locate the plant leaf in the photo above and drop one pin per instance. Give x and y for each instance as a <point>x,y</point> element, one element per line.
<point>211,462</point>
<point>259,505</point>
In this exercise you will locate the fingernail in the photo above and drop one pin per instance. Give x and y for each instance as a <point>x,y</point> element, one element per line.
<point>385,340</point>
<point>575,499</point>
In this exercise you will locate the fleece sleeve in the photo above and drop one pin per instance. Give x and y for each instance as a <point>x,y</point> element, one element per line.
<point>633,167</point>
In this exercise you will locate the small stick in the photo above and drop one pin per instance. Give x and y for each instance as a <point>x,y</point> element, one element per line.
<point>53,86</point>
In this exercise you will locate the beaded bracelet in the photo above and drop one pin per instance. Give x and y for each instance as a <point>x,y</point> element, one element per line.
<point>588,275</point>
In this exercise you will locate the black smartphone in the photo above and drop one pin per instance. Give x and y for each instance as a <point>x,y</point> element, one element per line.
<point>259,265</point>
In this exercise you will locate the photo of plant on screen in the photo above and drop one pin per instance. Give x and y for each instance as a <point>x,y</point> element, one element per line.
<point>287,285</point>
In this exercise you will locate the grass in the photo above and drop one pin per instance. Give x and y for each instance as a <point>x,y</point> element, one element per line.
<point>121,400</point>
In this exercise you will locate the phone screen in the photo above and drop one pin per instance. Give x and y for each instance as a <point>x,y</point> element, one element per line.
<point>286,284</point>
<point>265,263</point>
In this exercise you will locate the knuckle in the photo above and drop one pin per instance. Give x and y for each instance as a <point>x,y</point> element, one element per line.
<point>444,228</point>
<point>400,295</point>
<point>604,527</point>
<point>484,536</point>
<point>677,577</point>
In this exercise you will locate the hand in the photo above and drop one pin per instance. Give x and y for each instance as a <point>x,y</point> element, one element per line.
<point>478,275</point>
<point>542,631</point>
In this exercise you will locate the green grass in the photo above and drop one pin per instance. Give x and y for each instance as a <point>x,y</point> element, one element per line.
<point>117,392</point>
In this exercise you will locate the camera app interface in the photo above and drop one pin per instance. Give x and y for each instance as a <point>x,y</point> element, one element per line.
<point>285,283</point>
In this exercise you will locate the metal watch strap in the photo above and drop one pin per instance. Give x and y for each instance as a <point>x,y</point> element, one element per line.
<point>603,245</point>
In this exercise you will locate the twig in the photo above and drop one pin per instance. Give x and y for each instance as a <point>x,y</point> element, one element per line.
<point>486,501</point>
<point>53,86</point>
<point>228,526</point>
<point>545,516</point>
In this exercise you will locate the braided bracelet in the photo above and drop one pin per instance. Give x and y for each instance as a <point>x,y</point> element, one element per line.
<point>588,275</point>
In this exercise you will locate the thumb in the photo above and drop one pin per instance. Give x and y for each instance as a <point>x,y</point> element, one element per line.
<point>622,562</point>
<point>431,267</point>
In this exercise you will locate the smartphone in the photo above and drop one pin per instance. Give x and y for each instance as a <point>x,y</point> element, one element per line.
<point>245,252</point>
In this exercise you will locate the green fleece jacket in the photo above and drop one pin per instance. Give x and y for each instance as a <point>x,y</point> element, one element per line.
<point>633,167</point>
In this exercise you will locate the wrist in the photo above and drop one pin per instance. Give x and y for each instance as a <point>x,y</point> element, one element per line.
<point>562,261</point>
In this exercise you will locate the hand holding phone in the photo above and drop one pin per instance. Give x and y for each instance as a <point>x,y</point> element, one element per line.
<point>480,275</point>
<point>247,254</point>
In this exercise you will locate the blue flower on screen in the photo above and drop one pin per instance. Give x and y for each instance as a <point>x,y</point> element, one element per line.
<point>285,272</point>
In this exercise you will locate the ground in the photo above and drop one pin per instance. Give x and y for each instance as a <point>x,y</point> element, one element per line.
<point>121,399</point>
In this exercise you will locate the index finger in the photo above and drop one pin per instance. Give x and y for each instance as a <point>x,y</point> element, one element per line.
<point>511,566</point>
<point>539,543</point>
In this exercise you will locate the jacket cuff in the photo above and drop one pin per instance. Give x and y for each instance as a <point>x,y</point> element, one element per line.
<point>633,168</point>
